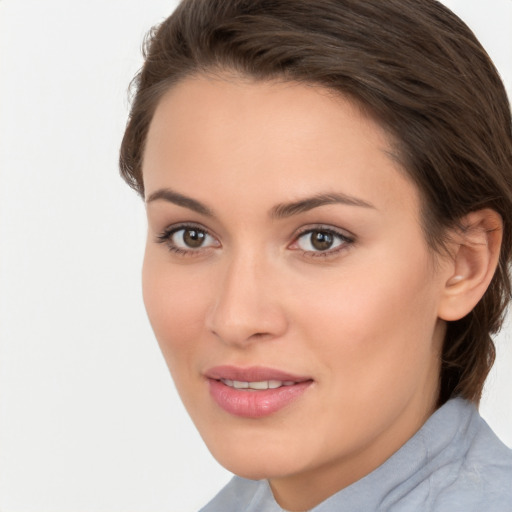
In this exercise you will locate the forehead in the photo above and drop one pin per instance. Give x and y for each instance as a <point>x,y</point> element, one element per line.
<point>274,138</point>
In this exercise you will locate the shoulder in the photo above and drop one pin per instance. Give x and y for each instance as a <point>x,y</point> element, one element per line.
<point>482,478</point>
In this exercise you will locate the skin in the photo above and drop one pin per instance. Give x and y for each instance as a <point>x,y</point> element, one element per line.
<point>362,320</point>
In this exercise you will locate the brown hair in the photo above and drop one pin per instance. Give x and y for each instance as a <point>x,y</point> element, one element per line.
<point>415,66</point>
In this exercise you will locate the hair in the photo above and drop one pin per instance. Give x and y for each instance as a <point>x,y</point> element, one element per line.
<point>414,66</point>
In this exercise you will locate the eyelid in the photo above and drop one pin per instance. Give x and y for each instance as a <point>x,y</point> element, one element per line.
<point>165,237</point>
<point>346,238</point>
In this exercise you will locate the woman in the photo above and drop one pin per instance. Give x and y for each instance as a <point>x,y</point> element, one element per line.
<point>329,196</point>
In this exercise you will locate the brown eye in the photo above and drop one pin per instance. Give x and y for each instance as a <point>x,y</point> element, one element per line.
<point>193,238</point>
<point>321,240</point>
<point>188,239</point>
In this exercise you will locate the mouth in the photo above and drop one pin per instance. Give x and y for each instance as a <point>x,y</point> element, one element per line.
<point>257,385</point>
<point>254,392</point>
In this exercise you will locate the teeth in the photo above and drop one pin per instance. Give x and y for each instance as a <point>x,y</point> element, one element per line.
<point>258,385</point>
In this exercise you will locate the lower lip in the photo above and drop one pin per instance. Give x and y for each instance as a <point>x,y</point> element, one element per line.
<point>255,404</point>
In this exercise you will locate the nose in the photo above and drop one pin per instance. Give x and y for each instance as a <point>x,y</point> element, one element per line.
<point>247,306</point>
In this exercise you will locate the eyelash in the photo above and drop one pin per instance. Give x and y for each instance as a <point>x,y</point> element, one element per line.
<point>345,240</point>
<point>166,238</point>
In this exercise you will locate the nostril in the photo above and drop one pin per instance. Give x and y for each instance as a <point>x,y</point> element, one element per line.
<point>241,335</point>
<point>259,335</point>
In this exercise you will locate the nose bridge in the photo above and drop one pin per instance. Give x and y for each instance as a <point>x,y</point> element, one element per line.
<point>246,306</point>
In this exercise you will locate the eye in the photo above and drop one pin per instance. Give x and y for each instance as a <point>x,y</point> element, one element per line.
<point>321,240</point>
<point>186,239</point>
<point>189,238</point>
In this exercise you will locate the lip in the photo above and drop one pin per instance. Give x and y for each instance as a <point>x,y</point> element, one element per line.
<point>254,404</point>
<point>252,374</point>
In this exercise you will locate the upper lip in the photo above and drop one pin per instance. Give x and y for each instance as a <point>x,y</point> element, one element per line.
<point>252,374</point>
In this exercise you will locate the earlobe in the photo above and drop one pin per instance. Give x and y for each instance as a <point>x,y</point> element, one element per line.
<point>475,258</point>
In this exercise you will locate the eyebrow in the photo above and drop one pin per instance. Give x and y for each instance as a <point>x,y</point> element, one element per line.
<point>303,205</point>
<point>171,196</point>
<point>279,211</point>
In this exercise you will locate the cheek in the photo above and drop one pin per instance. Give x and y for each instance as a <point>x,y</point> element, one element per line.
<point>377,319</point>
<point>175,303</point>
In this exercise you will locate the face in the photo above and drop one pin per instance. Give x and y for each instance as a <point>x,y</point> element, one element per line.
<point>288,281</point>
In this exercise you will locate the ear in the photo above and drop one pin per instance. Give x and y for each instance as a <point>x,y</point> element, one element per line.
<point>476,250</point>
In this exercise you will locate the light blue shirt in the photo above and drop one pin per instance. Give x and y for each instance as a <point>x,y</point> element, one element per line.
<point>454,463</point>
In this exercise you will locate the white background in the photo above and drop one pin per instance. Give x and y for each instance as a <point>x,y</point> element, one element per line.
<point>89,418</point>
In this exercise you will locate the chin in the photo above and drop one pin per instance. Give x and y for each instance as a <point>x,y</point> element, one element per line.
<point>246,467</point>
<point>259,460</point>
